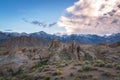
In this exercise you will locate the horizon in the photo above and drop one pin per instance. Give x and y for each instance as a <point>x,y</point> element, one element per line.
<point>61,34</point>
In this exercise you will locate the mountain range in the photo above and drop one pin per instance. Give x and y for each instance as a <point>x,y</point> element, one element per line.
<point>84,38</point>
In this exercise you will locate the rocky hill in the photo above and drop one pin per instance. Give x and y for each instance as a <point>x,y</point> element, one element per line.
<point>35,59</point>
<point>24,41</point>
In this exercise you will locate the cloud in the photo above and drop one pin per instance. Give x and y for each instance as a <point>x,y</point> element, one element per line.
<point>25,20</point>
<point>8,30</point>
<point>39,23</point>
<point>100,17</point>
<point>52,24</point>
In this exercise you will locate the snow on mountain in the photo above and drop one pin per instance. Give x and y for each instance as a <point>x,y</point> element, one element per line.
<point>64,38</point>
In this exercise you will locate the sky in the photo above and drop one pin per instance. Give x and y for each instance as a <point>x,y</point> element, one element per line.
<point>101,17</point>
<point>32,15</point>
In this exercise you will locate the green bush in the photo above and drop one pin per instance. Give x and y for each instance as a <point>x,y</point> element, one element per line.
<point>14,78</point>
<point>58,72</point>
<point>118,67</point>
<point>108,65</point>
<point>86,62</point>
<point>76,78</point>
<point>88,57</point>
<point>94,78</point>
<point>90,75</point>
<point>83,76</point>
<point>107,74</point>
<point>87,67</point>
<point>47,78</point>
<point>99,63</point>
<point>40,66</point>
<point>117,78</point>
<point>1,78</point>
<point>25,76</point>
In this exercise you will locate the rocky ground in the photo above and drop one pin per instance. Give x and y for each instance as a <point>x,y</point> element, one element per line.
<point>60,61</point>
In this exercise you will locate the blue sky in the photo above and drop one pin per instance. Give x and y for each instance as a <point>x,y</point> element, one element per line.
<point>18,15</point>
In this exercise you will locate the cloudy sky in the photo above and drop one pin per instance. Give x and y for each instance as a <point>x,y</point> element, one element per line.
<point>101,17</point>
<point>32,15</point>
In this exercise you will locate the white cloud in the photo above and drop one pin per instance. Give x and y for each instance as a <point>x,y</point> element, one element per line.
<point>100,17</point>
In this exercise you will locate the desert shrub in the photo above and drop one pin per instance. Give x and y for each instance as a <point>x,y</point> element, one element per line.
<point>26,76</point>
<point>99,63</point>
<point>62,64</point>
<point>83,76</point>
<point>62,78</point>
<point>14,78</point>
<point>118,67</point>
<point>78,64</point>
<point>90,75</point>
<point>54,74</point>
<point>58,72</point>
<point>76,78</point>
<point>88,57</point>
<point>86,62</point>
<point>10,71</point>
<point>47,78</point>
<point>107,74</point>
<point>1,78</point>
<point>87,67</point>
<point>18,71</point>
<point>80,70</point>
<point>108,65</point>
<point>40,77</point>
<point>56,78</point>
<point>116,78</point>
<point>40,66</point>
<point>71,74</point>
<point>95,78</point>
<point>118,73</point>
<point>7,78</point>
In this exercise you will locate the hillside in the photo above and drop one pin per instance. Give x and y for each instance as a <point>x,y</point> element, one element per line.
<point>24,41</point>
<point>59,61</point>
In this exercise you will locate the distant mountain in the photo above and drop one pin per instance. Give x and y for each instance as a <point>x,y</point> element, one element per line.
<point>24,41</point>
<point>7,35</point>
<point>43,35</point>
<point>94,39</point>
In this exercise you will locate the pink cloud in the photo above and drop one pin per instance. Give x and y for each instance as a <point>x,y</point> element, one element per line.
<point>100,17</point>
